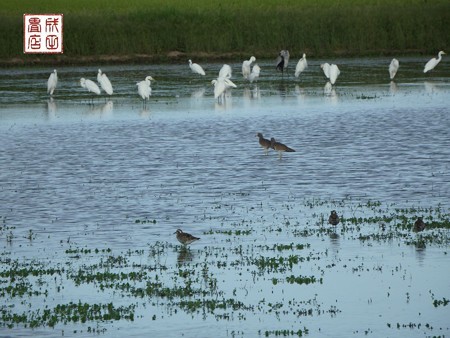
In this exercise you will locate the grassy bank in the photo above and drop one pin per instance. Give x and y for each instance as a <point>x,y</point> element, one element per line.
<point>212,28</point>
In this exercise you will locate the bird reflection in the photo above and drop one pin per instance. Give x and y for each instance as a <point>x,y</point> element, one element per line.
<point>393,88</point>
<point>329,91</point>
<point>104,110</point>
<point>185,255</point>
<point>335,241</point>
<point>246,94</point>
<point>225,104</point>
<point>144,112</point>
<point>299,92</point>
<point>256,94</point>
<point>420,255</point>
<point>251,93</point>
<point>283,89</point>
<point>198,94</point>
<point>51,108</point>
<point>429,87</point>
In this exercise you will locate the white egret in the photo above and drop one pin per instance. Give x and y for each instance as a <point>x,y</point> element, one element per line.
<point>433,62</point>
<point>254,75</point>
<point>196,68</point>
<point>91,86</point>
<point>246,67</point>
<point>220,86</point>
<point>144,89</point>
<point>393,67</point>
<point>334,73</point>
<point>104,82</point>
<point>282,60</point>
<point>301,65</point>
<point>326,69</point>
<point>52,82</point>
<point>225,72</point>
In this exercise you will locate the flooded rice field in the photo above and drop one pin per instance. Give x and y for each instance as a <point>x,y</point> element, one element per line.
<point>93,188</point>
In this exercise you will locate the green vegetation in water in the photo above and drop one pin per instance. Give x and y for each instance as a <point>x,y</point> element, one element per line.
<point>205,28</point>
<point>65,313</point>
<point>169,279</point>
<point>285,333</point>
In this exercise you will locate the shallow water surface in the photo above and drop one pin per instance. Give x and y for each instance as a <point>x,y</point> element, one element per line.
<point>95,186</point>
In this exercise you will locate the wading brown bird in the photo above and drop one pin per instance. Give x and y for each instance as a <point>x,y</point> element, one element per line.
<point>419,225</point>
<point>185,238</point>
<point>334,218</point>
<point>280,147</point>
<point>265,143</point>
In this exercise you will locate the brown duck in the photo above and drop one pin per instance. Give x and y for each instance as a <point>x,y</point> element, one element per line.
<point>419,225</point>
<point>334,218</point>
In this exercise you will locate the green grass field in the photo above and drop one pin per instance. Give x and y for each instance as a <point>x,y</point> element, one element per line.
<point>212,28</point>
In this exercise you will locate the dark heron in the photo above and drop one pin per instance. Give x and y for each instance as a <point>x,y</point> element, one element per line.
<point>282,60</point>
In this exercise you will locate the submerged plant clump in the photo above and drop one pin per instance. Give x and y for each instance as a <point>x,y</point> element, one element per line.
<point>260,269</point>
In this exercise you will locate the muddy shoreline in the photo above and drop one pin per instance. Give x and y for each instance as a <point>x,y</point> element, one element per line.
<point>172,57</point>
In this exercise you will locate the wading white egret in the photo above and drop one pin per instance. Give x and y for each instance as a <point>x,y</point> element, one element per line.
<point>144,89</point>
<point>326,69</point>
<point>104,82</point>
<point>433,62</point>
<point>254,75</point>
<point>196,68</point>
<point>301,65</point>
<point>334,73</point>
<point>91,86</point>
<point>220,86</point>
<point>246,67</point>
<point>225,72</point>
<point>393,67</point>
<point>52,82</point>
<point>282,60</point>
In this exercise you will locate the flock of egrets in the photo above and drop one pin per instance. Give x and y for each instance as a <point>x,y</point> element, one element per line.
<point>223,81</point>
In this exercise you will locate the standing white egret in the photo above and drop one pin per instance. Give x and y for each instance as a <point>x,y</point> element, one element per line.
<point>301,65</point>
<point>104,82</point>
<point>91,86</point>
<point>220,86</point>
<point>326,69</point>
<point>144,89</point>
<point>222,83</point>
<point>282,60</point>
<point>246,67</point>
<point>254,75</point>
<point>393,67</point>
<point>52,82</point>
<point>196,68</point>
<point>225,72</point>
<point>334,73</point>
<point>433,62</point>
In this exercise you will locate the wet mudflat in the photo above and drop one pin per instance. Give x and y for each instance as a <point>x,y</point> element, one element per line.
<point>92,190</point>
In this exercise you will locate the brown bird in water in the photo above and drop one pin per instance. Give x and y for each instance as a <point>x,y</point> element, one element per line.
<point>185,238</point>
<point>265,143</point>
<point>334,218</point>
<point>419,225</point>
<point>280,147</point>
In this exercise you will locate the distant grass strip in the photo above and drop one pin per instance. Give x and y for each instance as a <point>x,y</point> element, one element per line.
<point>260,27</point>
